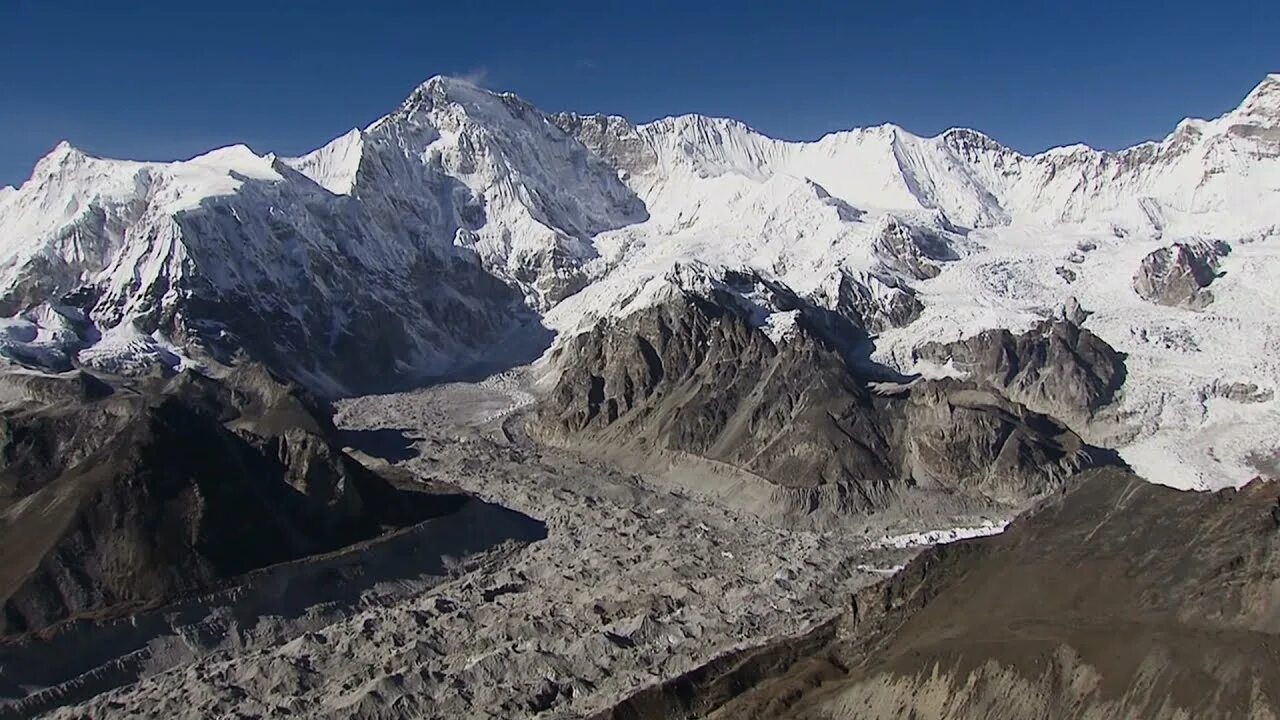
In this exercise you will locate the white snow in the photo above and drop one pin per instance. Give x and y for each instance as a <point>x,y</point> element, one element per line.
<point>940,536</point>
<point>43,335</point>
<point>126,349</point>
<point>1183,435</point>
<point>722,194</point>
<point>335,165</point>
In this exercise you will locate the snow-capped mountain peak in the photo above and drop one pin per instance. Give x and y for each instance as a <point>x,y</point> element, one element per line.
<point>509,184</point>
<point>334,165</point>
<point>1262,104</point>
<point>62,152</point>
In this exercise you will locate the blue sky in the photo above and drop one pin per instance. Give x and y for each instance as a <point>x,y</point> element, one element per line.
<point>163,80</point>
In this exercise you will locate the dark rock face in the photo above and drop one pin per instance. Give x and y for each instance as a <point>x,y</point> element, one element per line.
<point>872,303</point>
<point>1180,274</point>
<point>1119,598</point>
<point>1057,368</point>
<point>910,250</point>
<point>115,496</point>
<point>958,439</point>
<point>694,376</point>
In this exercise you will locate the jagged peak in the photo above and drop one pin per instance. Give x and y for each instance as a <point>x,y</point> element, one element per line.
<point>695,121</point>
<point>462,100</point>
<point>1263,101</point>
<point>836,136</point>
<point>61,154</point>
<point>63,147</point>
<point>959,137</point>
<point>1190,126</point>
<point>445,83</point>
<point>444,89</point>
<point>887,128</point>
<point>571,121</point>
<point>1069,150</point>
<point>596,117</point>
<point>1270,86</point>
<point>227,153</point>
<point>334,165</point>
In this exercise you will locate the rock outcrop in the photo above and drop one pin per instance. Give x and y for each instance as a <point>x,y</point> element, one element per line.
<point>611,138</point>
<point>910,250</point>
<point>871,302</point>
<point>1179,275</point>
<point>1056,368</point>
<point>118,495</point>
<point>698,375</point>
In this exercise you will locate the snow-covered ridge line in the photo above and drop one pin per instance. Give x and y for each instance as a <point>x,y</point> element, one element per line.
<point>427,235</point>
<point>1262,102</point>
<point>970,177</point>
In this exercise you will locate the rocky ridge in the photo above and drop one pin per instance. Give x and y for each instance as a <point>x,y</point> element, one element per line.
<point>1057,368</point>
<point>1117,598</point>
<point>741,372</point>
<point>117,496</point>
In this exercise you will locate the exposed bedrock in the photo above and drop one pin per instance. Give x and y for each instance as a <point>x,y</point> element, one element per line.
<point>116,495</point>
<point>694,377</point>
<point>1179,275</point>
<point>1056,368</point>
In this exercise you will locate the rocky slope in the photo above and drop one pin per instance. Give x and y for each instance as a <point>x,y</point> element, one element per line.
<point>742,372</point>
<point>1056,368</point>
<point>1179,275</point>
<point>625,584</point>
<point>1117,599</point>
<point>116,496</point>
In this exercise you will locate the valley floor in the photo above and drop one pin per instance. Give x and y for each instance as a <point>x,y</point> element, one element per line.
<point>631,585</point>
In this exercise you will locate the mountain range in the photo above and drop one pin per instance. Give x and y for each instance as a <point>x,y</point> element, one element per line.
<point>467,229</point>
<point>257,414</point>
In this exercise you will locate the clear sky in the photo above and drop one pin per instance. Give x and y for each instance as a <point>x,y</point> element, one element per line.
<point>172,78</point>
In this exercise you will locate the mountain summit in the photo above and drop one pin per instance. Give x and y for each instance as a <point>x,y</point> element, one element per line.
<point>1263,102</point>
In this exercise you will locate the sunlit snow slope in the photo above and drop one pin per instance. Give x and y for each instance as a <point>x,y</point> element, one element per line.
<point>413,247</point>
